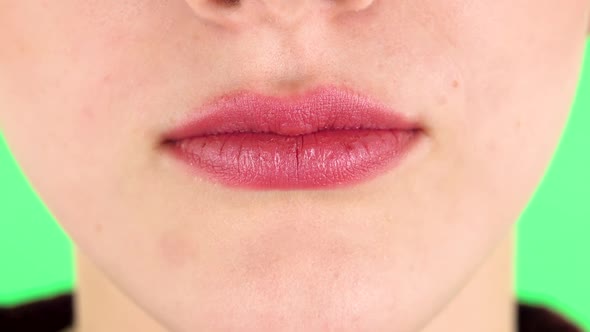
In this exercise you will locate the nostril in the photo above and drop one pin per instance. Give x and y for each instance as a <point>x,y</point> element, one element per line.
<point>236,13</point>
<point>227,3</point>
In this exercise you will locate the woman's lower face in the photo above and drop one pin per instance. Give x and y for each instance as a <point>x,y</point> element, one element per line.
<point>89,89</point>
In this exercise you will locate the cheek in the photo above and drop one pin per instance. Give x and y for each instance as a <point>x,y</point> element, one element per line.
<point>515,125</point>
<point>71,75</point>
<point>66,93</point>
<point>508,124</point>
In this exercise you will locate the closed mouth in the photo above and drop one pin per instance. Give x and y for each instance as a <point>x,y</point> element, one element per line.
<point>328,137</point>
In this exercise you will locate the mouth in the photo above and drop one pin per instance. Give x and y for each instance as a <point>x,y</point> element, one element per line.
<point>325,138</point>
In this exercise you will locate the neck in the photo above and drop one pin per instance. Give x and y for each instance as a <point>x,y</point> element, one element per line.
<point>100,306</point>
<point>485,304</point>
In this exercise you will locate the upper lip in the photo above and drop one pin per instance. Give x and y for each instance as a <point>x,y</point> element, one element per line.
<point>321,108</point>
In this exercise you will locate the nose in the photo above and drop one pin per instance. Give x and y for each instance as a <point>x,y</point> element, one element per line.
<point>282,13</point>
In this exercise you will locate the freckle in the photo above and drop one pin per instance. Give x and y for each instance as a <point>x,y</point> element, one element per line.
<point>106,78</point>
<point>88,114</point>
<point>491,146</point>
<point>98,228</point>
<point>22,50</point>
<point>441,100</point>
<point>174,249</point>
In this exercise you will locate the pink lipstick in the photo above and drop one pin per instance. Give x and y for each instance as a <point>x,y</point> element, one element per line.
<point>323,138</point>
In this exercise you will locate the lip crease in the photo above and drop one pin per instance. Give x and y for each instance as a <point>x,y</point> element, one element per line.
<point>327,137</point>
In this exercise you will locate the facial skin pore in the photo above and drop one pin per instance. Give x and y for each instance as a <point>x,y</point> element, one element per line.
<point>87,88</point>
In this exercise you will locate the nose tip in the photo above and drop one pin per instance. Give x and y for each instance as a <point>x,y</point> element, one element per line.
<point>277,12</point>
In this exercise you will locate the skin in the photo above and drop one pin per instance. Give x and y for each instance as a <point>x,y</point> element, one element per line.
<point>87,89</point>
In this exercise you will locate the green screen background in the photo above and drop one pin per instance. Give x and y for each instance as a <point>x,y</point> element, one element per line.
<point>552,253</point>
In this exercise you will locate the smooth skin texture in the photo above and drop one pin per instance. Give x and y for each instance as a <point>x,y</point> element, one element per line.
<point>87,89</point>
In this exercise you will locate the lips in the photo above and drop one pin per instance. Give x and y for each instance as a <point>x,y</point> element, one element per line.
<point>324,138</point>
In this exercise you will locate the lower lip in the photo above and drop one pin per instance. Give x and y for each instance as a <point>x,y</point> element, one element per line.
<point>330,158</point>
